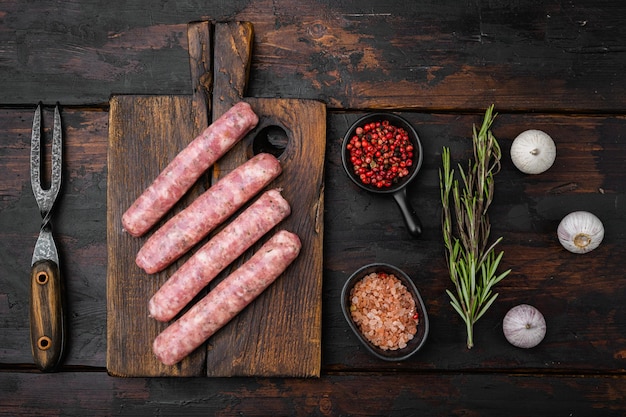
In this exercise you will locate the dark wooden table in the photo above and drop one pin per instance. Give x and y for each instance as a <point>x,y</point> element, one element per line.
<point>555,65</point>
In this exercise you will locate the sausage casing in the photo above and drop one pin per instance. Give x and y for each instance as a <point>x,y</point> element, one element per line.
<point>227,299</point>
<point>185,169</point>
<point>205,213</point>
<point>219,252</point>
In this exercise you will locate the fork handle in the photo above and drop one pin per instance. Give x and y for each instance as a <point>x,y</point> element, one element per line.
<point>47,316</point>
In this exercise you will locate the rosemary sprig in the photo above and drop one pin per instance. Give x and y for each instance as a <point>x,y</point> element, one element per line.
<point>472,264</point>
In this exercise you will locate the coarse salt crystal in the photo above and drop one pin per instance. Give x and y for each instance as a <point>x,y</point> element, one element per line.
<point>379,296</point>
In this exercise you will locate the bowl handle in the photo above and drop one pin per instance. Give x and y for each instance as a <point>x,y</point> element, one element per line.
<point>411,220</point>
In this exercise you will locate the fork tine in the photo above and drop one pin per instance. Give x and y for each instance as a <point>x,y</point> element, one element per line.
<point>45,198</point>
<point>35,154</point>
<point>57,152</point>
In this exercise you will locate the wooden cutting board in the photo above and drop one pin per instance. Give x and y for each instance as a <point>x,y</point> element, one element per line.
<point>279,334</point>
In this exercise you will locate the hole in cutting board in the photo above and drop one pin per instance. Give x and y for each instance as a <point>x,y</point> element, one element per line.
<point>271,139</point>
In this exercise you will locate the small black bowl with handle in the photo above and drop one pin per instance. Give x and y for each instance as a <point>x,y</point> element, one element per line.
<point>418,340</point>
<point>398,189</point>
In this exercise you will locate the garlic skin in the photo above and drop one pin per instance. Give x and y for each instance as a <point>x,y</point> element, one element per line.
<point>580,232</point>
<point>524,326</point>
<point>533,151</point>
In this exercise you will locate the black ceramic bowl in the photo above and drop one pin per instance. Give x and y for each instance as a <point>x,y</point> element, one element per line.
<point>397,190</point>
<point>422,328</point>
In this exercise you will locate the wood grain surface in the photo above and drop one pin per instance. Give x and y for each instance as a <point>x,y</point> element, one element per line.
<point>280,333</point>
<point>579,366</point>
<point>146,133</point>
<point>361,394</point>
<point>47,315</point>
<point>522,55</point>
<point>551,65</point>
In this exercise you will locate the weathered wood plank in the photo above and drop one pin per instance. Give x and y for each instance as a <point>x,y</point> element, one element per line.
<point>365,54</point>
<point>145,134</point>
<point>232,54</point>
<point>444,60</point>
<point>582,297</point>
<point>262,340</point>
<point>401,394</point>
<point>199,39</point>
<point>287,317</point>
<point>137,130</point>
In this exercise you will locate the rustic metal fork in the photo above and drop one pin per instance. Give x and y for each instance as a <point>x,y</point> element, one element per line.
<point>47,318</point>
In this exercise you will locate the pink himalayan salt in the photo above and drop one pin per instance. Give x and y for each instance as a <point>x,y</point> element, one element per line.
<point>384,311</point>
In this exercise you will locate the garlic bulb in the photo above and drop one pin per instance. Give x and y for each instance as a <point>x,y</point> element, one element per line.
<point>533,151</point>
<point>524,326</point>
<point>580,232</point>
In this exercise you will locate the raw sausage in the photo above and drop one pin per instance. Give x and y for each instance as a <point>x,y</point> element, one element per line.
<point>223,248</point>
<point>227,299</point>
<point>183,171</point>
<point>208,211</point>
<point>219,252</point>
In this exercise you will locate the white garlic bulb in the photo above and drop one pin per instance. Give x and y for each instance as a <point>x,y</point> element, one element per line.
<point>524,326</point>
<point>580,232</point>
<point>533,151</point>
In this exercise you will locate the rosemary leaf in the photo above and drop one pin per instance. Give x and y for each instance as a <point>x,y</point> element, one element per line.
<point>471,257</point>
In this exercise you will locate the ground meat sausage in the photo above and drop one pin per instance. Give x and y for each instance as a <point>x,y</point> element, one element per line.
<point>208,211</point>
<point>219,252</point>
<point>227,299</point>
<point>183,171</point>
